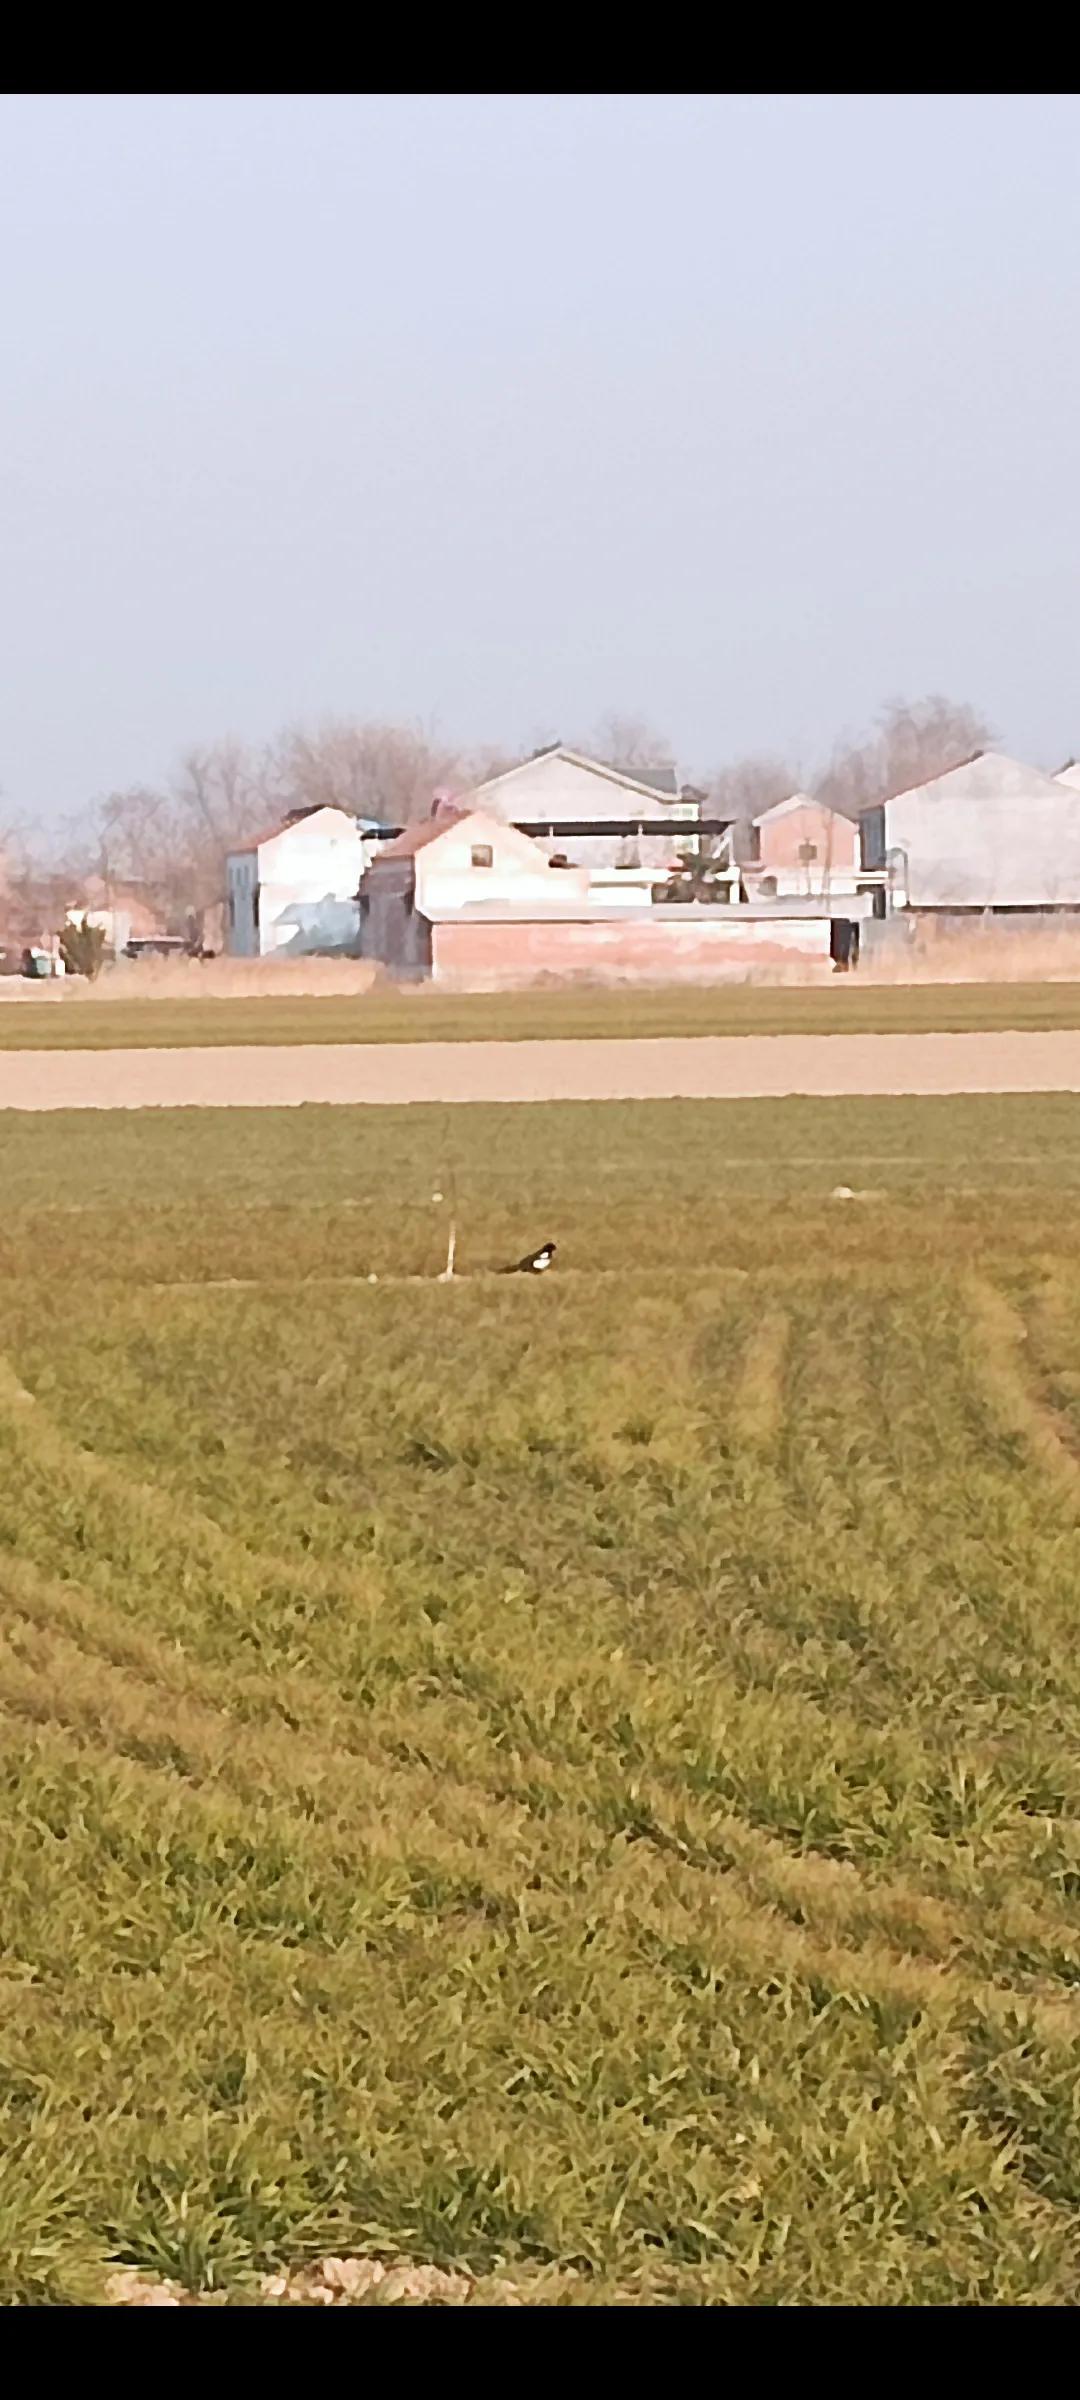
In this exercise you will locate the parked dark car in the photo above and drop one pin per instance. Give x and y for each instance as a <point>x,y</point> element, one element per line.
<point>157,945</point>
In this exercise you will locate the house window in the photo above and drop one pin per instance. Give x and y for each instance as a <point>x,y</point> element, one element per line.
<point>807,853</point>
<point>482,854</point>
<point>767,887</point>
<point>255,908</point>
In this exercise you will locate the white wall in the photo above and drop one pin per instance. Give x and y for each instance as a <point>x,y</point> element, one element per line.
<point>623,887</point>
<point>307,877</point>
<point>115,924</point>
<point>556,789</point>
<point>296,925</point>
<point>983,850</point>
<point>446,877</point>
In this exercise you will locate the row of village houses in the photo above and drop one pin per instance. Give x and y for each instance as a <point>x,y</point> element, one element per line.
<point>564,866</point>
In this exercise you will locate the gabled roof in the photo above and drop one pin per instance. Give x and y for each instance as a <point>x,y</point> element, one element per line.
<point>987,775</point>
<point>783,808</point>
<point>417,837</point>
<point>656,779</point>
<point>658,782</point>
<point>302,816</point>
<point>478,825</point>
<point>258,842</point>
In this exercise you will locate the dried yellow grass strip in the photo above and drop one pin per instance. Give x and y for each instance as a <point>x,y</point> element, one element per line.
<point>390,1814</point>
<point>39,1434</point>
<point>749,1934</point>
<point>999,1339</point>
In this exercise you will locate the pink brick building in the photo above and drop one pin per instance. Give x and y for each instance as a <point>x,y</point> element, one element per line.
<point>798,850</point>
<point>475,904</point>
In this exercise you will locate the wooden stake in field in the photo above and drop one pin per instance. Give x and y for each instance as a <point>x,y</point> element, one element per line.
<point>450,1180</point>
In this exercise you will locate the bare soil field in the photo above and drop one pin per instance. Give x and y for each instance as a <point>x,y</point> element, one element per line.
<point>771,1066</point>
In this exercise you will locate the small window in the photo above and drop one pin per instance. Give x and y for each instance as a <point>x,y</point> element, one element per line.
<point>767,887</point>
<point>807,853</point>
<point>482,854</point>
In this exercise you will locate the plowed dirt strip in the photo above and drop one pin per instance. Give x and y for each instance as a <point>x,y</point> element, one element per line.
<point>754,1067</point>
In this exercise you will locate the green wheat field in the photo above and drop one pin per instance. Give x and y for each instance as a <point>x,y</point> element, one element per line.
<point>78,1019</point>
<point>577,1779</point>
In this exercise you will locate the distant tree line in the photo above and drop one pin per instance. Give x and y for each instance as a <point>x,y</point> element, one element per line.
<point>172,841</point>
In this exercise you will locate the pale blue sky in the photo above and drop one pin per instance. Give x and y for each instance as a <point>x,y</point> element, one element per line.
<point>739,414</point>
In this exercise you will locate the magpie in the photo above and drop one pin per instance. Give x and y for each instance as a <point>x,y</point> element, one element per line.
<point>535,1263</point>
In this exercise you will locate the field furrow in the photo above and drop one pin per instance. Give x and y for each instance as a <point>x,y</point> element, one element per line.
<point>577,1779</point>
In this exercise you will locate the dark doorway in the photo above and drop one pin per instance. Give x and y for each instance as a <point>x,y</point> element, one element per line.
<point>843,944</point>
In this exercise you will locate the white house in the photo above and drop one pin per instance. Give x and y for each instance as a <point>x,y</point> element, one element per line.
<point>989,834</point>
<point>476,861</point>
<point>455,864</point>
<point>553,794</point>
<point>295,891</point>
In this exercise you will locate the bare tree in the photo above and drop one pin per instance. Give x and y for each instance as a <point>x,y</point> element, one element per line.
<point>483,764</point>
<point>223,792</point>
<point>139,836</point>
<point>748,785</point>
<point>10,862</point>
<point>628,742</point>
<point>14,851</point>
<point>174,842</point>
<point>913,741</point>
<point>160,841</point>
<point>388,772</point>
<point>33,894</point>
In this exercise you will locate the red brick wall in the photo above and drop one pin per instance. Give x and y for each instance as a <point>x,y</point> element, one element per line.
<point>671,950</point>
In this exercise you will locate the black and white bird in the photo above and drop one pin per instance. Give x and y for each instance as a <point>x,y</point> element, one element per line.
<point>536,1262</point>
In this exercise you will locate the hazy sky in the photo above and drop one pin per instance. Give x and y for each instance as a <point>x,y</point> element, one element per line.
<point>738,414</point>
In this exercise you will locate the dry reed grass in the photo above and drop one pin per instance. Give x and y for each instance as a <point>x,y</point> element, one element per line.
<point>1035,951</point>
<point>1039,951</point>
<point>204,979</point>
